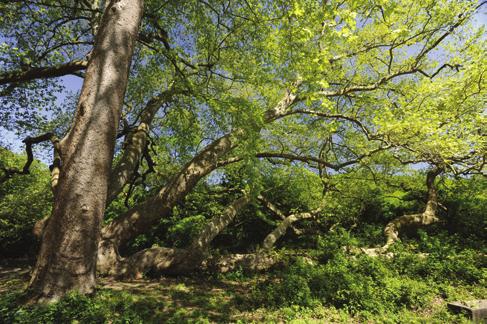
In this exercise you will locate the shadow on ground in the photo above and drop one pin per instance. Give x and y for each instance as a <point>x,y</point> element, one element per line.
<point>165,300</point>
<point>186,299</point>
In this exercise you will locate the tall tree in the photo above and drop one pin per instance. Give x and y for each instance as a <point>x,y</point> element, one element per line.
<point>67,258</point>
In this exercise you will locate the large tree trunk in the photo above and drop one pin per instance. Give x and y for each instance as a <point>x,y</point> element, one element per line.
<point>142,217</point>
<point>427,217</point>
<point>177,261</point>
<point>67,258</point>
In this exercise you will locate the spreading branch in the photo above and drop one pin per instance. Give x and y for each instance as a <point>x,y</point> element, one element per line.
<point>276,211</point>
<point>281,229</point>
<point>30,74</point>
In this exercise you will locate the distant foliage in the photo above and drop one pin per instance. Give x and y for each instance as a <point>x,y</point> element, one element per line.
<point>24,199</point>
<point>466,200</point>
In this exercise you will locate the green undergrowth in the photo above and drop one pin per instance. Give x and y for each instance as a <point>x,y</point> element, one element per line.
<point>412,284</point>
<point>106,306</point>
<point>330,283</point>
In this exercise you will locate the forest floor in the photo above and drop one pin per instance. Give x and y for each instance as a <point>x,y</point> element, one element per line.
<point>188,299</point>
<point>171,300</point>
<point>195,300</point>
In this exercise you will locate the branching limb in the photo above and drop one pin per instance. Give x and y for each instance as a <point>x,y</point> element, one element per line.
<point>428,216</point>
<point>42,72</point>
<point>177,261</point>
<point>29,142</point>
<point>136,142</point>
<point>455,67</point>
<point>137,178</point>
<point>143,216</point>
<point>218,224</point>
<point>281,229</point>
<point>276,211</point>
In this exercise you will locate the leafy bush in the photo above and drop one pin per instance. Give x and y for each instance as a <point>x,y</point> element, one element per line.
<point>444,260</point>
<point>292,289</point>
<point>183,231</point>
<point>466,200</point>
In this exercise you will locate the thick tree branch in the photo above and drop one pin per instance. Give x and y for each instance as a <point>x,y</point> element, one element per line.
<point>428,216</point>
<point>218,224</point>
<point>178,261</point>
<point>281,229</point>
<point>276,211</point>
<point>42,72</point>
<point>141,217</point>
<point>135,143</point>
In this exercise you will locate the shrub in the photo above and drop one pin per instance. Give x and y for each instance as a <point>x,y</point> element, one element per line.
<point>445,260</point>
<point>292,289</point>
<point>357,284</point>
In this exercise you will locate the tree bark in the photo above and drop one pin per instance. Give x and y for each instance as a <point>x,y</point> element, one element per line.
<point>182,261</point>
<point>250,262</point>
<point>67,258</point>
<point>42,72</point>
<point>218,224</point>
<point>427,217</point>
<point>135,144</point>
<point>140,218</point>
<point>276,211</point>
<point>281,229</point>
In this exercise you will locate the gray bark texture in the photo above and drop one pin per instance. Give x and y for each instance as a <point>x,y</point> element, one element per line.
<point>281,229</point>
<point>250,262</point>
<point>142,217</point>
<point>67,257</point>
<point>135,143</point>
